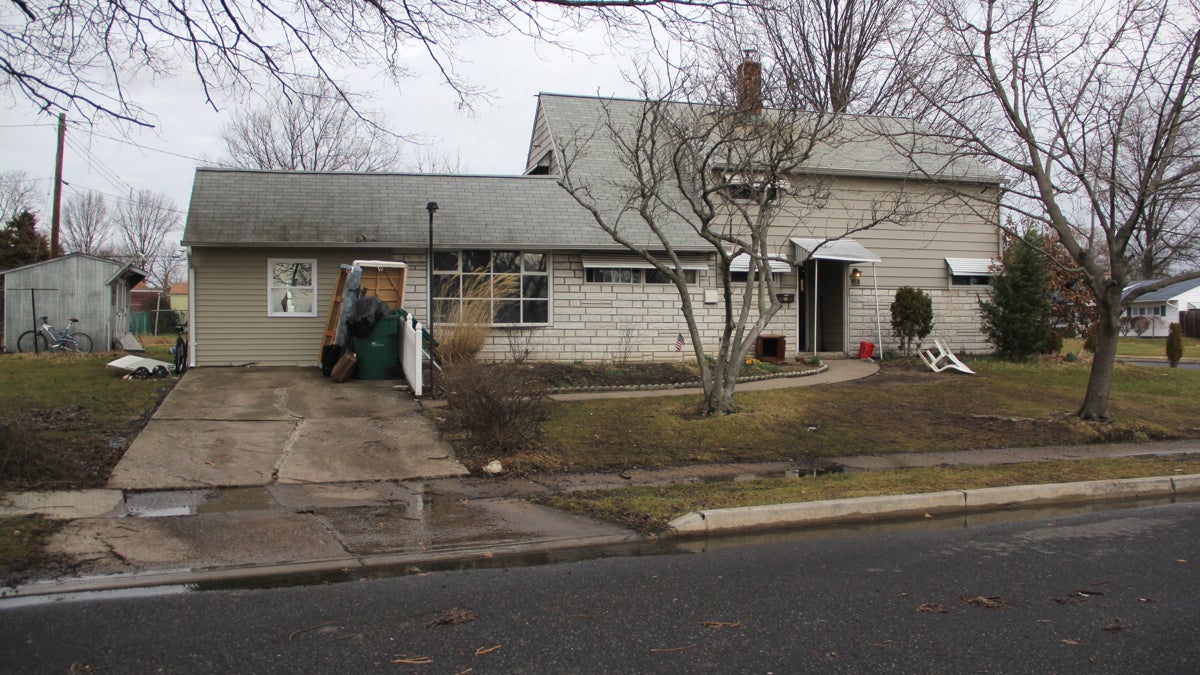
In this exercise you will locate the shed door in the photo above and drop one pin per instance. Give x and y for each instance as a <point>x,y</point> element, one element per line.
<point>120,303</point>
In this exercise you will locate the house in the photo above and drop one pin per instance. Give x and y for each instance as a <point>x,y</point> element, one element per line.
<point>1163,306</point>
<point>265,248</point>
<point>89,288</point>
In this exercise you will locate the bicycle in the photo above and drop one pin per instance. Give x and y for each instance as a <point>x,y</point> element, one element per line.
<point>50,339</point>
<point>180,350</point>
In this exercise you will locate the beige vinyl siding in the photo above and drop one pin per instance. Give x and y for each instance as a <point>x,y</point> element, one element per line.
<point>540,143</point>
<point>913,253</point>
<point>230,314</point>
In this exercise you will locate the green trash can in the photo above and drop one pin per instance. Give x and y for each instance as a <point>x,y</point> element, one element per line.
<point>379,351</point>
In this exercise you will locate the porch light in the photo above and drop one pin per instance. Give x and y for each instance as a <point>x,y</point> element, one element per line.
<point>431,207</point>
<point>855,277</point>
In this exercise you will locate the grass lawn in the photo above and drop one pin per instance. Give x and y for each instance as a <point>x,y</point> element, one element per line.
<point>904,408</point>
<point>648,509</point>
<point>65,420</point>
<point>1136,346</point>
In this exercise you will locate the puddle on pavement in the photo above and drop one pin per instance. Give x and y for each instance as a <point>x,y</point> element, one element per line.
<point>687,546</point>
<point>680,546</point>
<point>191,502</point>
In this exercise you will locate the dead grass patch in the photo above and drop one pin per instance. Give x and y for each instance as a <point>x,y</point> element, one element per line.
<point>648,509</point>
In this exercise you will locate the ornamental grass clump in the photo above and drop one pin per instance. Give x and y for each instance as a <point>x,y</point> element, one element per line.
<point>465,328</point>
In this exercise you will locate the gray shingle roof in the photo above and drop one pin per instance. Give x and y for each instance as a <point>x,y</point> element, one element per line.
<point>274,208</point>
<point>231,206</point>
<point>1162,294</point>
<point>855,144</point>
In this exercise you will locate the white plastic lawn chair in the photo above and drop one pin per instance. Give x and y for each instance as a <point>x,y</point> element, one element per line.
<point>942,358</point>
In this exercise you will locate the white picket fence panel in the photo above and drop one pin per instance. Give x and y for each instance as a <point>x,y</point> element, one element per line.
<point>411,354</point>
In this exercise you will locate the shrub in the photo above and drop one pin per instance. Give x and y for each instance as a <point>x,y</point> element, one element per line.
<point>465,330</point>
<point>1089,341</point>
<point>1174,345</point>
<point>1055,344</point>
<point>501,410</point>
<point>912,317</point>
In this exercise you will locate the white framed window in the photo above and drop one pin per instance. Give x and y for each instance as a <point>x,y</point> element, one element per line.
<point>633,275</point>
<point>970,271</point>
<point>515,284</point>
<point>291,287</point>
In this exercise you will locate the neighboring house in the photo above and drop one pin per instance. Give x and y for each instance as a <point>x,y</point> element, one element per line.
<point>94,290</point>
<point>145,297</point>
<point>265,247</point>
<point>179,297</point>
<point>1163,306</point>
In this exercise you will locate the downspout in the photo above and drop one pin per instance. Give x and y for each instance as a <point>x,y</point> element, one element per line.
<point>816,298</point>
<point>191,312</point>
<point>878,323</point>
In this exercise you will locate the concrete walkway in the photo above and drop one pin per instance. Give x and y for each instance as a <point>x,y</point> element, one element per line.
<point>238,427</point>
<point>829,372</point>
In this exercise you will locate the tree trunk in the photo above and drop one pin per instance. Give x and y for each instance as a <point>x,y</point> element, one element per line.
<point>1108,330</point>
<point>718,391</point>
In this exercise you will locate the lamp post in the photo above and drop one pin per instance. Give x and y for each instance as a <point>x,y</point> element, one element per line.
<point>431,207</point>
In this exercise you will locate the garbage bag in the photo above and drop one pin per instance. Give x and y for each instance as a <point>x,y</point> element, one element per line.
<point>366,312</point>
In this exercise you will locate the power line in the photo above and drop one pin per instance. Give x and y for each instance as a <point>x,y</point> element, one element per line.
<point>99,167</point>
<point>80,188</point>
<point>159,150</point>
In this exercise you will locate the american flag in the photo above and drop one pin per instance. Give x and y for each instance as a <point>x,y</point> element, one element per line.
<point>679,343</point>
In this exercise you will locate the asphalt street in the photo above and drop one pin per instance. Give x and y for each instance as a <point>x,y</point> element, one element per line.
<point>1112,591</point>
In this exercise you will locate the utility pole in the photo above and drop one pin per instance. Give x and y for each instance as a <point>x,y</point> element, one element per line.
<point>55,249</point>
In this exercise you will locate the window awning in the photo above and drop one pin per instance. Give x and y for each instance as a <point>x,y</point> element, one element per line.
<point>969,267</point>
<point>630,261</point>
<point>741,263</point>
<point>846,250</point>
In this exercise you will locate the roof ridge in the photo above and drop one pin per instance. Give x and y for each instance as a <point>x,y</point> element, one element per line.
<point>381,174</point>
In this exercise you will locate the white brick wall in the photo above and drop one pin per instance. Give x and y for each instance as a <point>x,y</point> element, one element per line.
<point>956,318</point>
<point>589,322</point>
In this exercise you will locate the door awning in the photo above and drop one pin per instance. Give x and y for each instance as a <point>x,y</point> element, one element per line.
<point>846,250</point>
<point>741,263</point>
<point>631,261</point>
<point>969,266</point>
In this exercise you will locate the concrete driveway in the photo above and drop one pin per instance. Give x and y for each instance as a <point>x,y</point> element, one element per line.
<point>226,427</point>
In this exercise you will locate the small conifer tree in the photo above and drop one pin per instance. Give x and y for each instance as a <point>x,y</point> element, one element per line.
<point>1174,345</point>
<point>1016,316</point>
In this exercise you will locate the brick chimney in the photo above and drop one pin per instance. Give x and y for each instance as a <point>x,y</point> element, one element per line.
<point>749,85</point>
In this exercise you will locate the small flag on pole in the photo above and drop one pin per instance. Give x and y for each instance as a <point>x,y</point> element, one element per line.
<point>679,343</point>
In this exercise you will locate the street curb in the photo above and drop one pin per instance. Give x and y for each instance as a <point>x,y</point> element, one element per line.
<point>931,503</point>
<point>188,579</point>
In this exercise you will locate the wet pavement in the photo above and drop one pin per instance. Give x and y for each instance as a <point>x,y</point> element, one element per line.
<point>237,427</point>
<point>252,501</point>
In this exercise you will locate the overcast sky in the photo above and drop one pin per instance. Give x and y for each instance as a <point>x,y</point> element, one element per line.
<point>494,141</point>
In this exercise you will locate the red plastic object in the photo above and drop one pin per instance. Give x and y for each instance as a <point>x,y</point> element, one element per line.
<point>865,349</point>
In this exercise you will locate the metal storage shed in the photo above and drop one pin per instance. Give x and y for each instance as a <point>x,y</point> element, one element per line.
<point>89,288</point>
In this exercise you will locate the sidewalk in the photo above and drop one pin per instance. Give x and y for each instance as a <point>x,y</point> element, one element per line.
<point>213,535</point>
<point>130,538</point>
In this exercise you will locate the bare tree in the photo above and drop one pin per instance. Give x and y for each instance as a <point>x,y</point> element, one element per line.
<point>18,192</point>
<point>1091,111</point>
<point>430,160</point>
<point>145,225</point>
<point>725,176</point>
<point>310,130</point>
<point>836,55</point>
<point>83,55</point>
<point>87,225</point>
